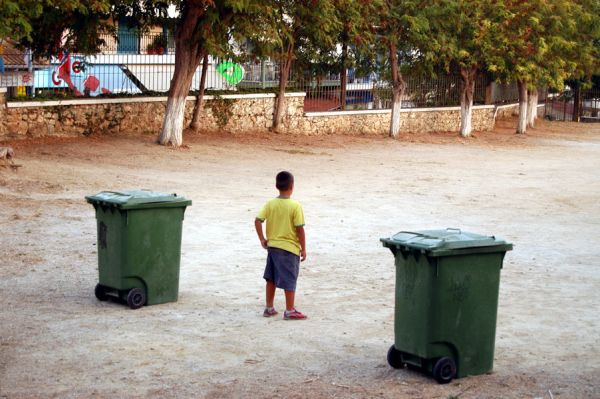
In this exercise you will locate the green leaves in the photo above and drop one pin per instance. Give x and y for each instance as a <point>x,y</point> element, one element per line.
<point>15,16</point>
<point>540,41</point>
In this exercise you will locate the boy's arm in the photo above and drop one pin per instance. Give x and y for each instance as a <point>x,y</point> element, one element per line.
<point>302,238</point>
<point>259,232</point>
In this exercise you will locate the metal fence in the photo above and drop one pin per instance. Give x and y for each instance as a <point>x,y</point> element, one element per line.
<point>573,104</point>
<point>372,93</point>
<point>133,64</point>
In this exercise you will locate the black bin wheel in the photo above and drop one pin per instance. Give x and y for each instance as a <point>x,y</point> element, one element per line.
<point>136,298</point>
<point>444,370</point>
<point>100,293</point>
<point>394,358</point>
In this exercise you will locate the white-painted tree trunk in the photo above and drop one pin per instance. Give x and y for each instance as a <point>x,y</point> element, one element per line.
<point>522,124</point>
<point>395,123</point>
<point>172,128</point>
<point>467,91</point>
<point>188,52</point>
<point>466,118</point>
<point>532,100</point>
<point>398,87</point>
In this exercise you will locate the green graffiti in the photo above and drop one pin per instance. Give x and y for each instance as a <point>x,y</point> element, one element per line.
<point>232,73</point>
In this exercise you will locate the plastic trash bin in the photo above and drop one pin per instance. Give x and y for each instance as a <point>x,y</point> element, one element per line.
<point>447,284</point>
<point>139,245</point>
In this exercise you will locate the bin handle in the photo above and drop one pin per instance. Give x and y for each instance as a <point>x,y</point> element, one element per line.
<point>414,233</point>
<point>117,193</point>
<point>420,235</point>
<point>453,229</point>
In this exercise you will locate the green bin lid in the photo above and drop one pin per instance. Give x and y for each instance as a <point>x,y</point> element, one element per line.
<point>135,199</point>
<point>445,242</point>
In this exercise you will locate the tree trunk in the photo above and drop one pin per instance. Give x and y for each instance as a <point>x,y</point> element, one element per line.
<point>343,76</point>
<point>188,52</point>
<point>577,103</point>
<point>467,91</point>
<point>198,108</point>
<point>522,124</point>
<point>283,77</point>
<point>398,87</point>
<point>532,102</point>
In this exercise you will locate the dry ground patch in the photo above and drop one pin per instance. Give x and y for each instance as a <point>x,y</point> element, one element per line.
<point>540,191</point>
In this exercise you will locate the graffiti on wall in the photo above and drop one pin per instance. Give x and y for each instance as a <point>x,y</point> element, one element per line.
<point>92,76</point>
<point>230,71</point>
<point>76,74</point>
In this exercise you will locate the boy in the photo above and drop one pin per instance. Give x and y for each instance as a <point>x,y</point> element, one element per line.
<point>285,243</point>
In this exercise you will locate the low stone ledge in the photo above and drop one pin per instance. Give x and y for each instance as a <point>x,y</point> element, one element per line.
<point>236,113</point>
<point>143,115</point>
<point>95,101</point>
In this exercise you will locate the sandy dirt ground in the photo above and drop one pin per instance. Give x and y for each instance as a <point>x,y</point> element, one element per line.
<point>540,191</point>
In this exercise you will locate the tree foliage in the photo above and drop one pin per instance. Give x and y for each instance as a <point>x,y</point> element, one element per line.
<point>289,28</point>
<point>533,42</point>
<point>403,29</point>
<point>463,40</point>
<point>16,16</point>
<point>586,51</point>
<point>48,26</point>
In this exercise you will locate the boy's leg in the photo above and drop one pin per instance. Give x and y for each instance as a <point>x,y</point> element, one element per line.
<point>269,276</point>
<point>270,293</point>
<point>290,312</point>
<point>290,296</point>
<point>285,266</point>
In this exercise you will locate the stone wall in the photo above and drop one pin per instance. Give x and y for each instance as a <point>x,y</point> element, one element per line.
<point>234,113</point>
<point>512,110</point>
<point>411,120</point>
<point>140,115</point>
<point>507,111</point>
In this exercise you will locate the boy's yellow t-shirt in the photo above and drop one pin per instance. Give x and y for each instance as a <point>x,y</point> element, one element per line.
<point>283,215</point>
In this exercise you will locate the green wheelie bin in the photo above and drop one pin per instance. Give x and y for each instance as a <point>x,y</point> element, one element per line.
<point>447,284</point>
<point>139,245</point>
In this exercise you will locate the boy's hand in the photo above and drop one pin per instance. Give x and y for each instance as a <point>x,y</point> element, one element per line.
<point>302,255</point>
<point>259,232</point>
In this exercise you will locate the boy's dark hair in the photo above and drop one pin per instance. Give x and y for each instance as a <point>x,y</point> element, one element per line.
<point>284,180</point>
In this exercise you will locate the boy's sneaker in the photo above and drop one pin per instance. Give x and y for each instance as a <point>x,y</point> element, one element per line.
<point>293,315</point>
<point>270,312</point>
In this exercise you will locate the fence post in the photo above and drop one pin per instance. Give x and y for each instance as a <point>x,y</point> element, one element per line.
<point>488,93</point>
<point>576,103</point>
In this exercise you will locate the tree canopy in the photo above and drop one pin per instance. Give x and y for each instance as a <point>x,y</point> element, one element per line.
<point>534,42</point>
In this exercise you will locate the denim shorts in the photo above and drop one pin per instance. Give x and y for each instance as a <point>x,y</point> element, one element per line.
<point>282,268</point>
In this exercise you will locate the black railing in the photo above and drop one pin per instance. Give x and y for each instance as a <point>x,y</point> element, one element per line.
<point>572,104</point>
<point>132,64</point>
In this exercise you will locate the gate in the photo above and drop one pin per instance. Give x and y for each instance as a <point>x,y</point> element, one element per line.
<point>575,105</point>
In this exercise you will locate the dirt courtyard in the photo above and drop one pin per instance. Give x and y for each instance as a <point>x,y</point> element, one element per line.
<point>541,192</point>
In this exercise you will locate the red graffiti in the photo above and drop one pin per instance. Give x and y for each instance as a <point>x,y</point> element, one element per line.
<point>54,79</point>
<point>91,83</point>
<point>77,67</point>
<point>63,72</point>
